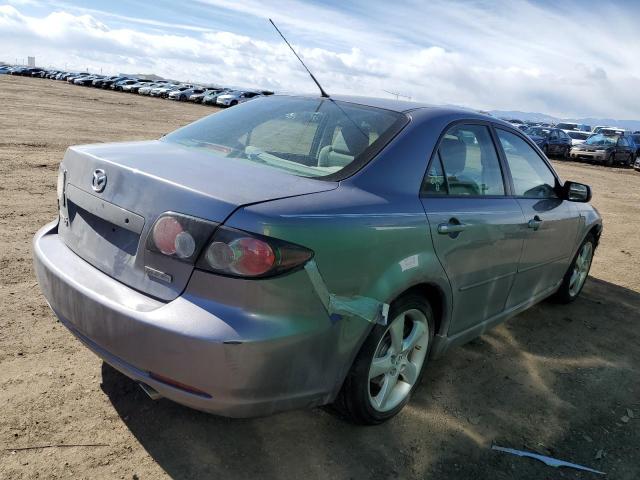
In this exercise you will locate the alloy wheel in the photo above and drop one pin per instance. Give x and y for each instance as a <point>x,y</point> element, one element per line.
<point>398,360</point>
<point>581,269</point>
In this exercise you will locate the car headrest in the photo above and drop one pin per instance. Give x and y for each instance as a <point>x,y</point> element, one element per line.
<point>453,152</point>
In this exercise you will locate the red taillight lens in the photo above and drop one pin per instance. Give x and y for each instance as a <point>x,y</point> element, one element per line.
<point>241,254</point>
<point>252,256</point>
<point>179,236</point>
<point>165,232</point>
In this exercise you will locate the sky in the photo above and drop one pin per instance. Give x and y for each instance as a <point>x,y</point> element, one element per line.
<point>564,58</point>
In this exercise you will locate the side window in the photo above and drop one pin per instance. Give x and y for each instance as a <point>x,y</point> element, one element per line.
<point>468,161</point>
<point>554,135</point>
<point>532,178</point>
<point>434,183</point>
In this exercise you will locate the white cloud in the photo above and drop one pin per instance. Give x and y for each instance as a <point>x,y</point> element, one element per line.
<point>558,59</point>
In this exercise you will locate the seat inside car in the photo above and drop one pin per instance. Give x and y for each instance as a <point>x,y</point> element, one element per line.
<point>453,152</point>
<point>348,141</point>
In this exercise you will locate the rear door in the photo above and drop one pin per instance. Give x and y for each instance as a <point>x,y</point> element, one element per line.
<point>555,145</point>
<point>475,226</point>
<point>565,142</point>
<point>551,224</point>
<point>623,150</point>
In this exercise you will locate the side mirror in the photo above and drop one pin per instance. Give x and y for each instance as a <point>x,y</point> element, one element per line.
<point>577,192</point>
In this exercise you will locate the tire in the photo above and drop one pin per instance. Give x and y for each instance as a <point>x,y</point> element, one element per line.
<point>233,103</point>
<point>567,153</point>
<point>610,160</point>
<point>369,400</point>
<point>569,290</point>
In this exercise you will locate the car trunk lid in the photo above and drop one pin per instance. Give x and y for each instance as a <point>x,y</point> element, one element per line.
<point>108,225</point>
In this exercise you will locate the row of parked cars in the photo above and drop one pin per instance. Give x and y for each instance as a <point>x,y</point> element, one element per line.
<point>575,141</point>
<point>206,95</point>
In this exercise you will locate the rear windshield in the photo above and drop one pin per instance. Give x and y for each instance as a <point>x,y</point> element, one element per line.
<point>303,136</point>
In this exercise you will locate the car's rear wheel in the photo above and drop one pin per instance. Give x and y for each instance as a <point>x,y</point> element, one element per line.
<point>233,103</point>
<point>578,271</point>
<point>390,363</point>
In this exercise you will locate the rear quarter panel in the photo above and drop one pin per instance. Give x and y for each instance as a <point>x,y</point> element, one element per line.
<point>364,245</point>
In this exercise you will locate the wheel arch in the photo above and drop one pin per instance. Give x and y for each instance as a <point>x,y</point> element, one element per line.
<point>436,298</point>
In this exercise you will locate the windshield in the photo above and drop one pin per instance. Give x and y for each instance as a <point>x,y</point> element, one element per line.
<point>603,140</point>
<point>303,136</point>
<point>539,132</point>
<point>567,126</point>
<point>578,135</point>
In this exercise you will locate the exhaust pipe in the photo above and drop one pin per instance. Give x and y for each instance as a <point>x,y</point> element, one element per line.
<point>150,391</point>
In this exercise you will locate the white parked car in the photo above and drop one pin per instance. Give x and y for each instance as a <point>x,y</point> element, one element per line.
<point>238,96</point>
<point>183,94</point>
<point>165,90</point>
<point>598,128</point>
<point>577,137</point>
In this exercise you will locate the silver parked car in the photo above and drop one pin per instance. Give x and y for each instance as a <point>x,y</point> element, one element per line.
<point>164,90</point>
<point>299,251</point>
<point>183,94</point>
<point>146,89</point>
<point>235,97</point>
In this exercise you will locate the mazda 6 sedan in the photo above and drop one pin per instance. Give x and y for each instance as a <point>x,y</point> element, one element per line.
<point>299,251</point>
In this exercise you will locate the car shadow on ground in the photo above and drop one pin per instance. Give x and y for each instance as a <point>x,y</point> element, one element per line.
<point>555,380</point>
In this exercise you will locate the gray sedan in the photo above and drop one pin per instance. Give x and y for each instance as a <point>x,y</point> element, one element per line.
<point>299,251</point>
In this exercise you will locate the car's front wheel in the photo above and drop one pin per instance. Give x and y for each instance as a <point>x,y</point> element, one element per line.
<point>577,273</point>
<point>390,363</point>
<point>611,160</point>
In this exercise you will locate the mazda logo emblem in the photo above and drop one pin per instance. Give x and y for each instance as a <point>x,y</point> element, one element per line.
<point>99,180</point>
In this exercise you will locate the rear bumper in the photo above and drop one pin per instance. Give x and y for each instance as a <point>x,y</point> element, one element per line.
<point>260,352</point>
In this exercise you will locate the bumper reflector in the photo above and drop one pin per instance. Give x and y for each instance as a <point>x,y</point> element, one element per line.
<point>178,385</point>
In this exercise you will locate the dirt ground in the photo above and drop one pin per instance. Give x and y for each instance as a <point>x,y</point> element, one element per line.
<point>559,380</point>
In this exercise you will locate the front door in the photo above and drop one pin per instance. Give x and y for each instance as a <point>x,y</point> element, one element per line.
<point>475,228</point>
<point>551,223</point>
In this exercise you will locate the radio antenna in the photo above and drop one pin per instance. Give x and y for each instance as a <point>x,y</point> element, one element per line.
<point>322,92</point>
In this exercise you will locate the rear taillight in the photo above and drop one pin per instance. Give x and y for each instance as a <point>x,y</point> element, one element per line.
<point>223,250</point>
<point>179,236</point>
<point>242,254</point>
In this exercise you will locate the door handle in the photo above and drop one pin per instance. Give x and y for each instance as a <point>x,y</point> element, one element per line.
<point>453,226</point>
<point>535,223</point>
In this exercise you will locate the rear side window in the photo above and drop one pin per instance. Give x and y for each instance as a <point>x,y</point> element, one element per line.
<point>466,163</point>
<point>531,176</point>
<point>435,183</point>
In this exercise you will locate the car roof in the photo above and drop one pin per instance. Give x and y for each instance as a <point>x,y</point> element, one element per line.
<point>403,106</point>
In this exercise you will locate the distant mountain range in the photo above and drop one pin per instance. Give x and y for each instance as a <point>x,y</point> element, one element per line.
<point>542,117</point>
